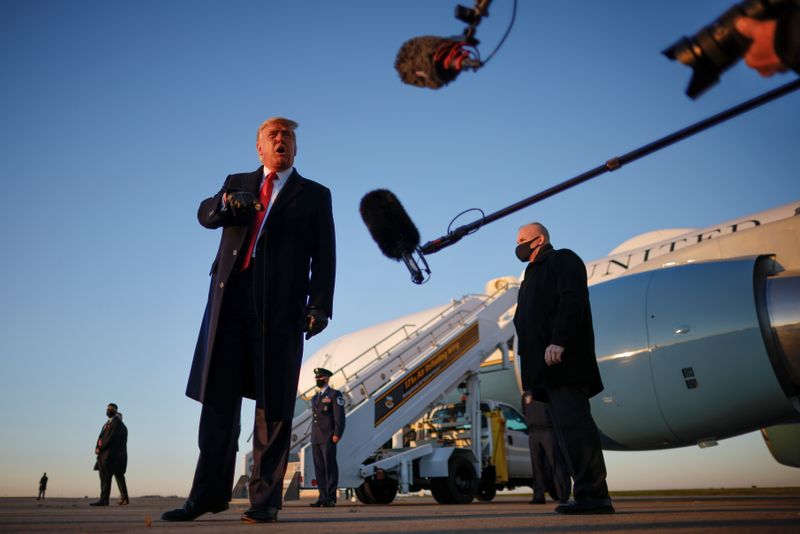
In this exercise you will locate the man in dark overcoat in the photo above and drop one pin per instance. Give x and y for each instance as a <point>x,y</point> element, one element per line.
<point>272,279</point>
<point>327,427</point>
<point>558,363</point>
<point>112,456</point>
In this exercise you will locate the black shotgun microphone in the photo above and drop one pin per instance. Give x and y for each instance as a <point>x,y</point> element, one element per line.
<point>434,62</point>
<point>393,231</point>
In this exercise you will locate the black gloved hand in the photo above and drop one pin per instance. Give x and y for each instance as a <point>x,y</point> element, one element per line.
<point>316,321</point>
<point>243,200</point>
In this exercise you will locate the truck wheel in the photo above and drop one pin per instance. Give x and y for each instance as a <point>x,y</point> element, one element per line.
<point>459,486</point>
<point>486,492</point>
<point>380,491</point>
<point>362,496</point>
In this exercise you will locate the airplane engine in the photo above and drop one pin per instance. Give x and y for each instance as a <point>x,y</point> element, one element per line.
<point>783,442</point>
<point>696,353</point>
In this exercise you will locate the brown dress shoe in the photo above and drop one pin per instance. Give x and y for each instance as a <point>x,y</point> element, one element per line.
<point>260,514</point>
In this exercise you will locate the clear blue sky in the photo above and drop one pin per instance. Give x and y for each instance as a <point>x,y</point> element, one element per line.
<point>117,118</point>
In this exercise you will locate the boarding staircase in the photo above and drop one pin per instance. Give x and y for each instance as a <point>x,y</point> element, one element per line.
<point>395,381</point>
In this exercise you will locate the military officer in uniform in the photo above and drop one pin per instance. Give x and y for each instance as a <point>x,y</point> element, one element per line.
<point>327,428</point>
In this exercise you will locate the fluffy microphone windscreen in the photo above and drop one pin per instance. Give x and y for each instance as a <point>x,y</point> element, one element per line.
<point>389,224</point>
<point>416,66</point>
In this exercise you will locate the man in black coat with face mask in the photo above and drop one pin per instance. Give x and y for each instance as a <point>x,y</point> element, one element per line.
<point>556,349</point>
<point>112,456</point>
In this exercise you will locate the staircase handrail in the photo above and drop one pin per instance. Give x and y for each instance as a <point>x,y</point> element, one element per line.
<point>487,299</point>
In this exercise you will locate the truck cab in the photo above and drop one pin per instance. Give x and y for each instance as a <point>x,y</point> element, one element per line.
<point>505,454</point>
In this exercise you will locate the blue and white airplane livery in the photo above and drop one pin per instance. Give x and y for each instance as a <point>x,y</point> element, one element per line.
<point>697,336</point>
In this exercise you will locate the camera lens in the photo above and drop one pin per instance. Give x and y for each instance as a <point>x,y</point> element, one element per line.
<point>718,46</point>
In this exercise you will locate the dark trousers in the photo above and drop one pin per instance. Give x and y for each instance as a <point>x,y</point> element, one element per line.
<point>550,470</point>
<point>236,360</point>
<point>579,439</point>
<point>41,494</point>
<point>326,470</point>
<point>106,473</point>
<point>123,487</point>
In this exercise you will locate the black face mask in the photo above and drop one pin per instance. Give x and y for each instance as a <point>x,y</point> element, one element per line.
<point>320,383</point>
<point>524,250</point>
<point>110,413</point>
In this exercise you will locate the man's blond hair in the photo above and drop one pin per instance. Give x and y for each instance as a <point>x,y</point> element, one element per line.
<point>289,123</point>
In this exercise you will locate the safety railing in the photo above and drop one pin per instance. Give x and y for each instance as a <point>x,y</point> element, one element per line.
<point>360,381</point>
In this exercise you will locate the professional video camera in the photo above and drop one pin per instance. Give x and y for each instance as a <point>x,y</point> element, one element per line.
<point>718,46</point>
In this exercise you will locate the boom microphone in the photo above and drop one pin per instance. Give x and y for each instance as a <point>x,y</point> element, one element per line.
<point>393,231</point>
<point>434,62</point>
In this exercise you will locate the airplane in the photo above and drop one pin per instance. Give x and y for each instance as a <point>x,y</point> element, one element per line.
<point>697,338</point>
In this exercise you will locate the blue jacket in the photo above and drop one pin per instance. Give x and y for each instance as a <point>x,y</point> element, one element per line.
<point>328,416</point>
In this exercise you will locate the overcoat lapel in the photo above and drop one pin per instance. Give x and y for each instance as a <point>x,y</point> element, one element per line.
<point>291,189</point>
<point>248,182</point>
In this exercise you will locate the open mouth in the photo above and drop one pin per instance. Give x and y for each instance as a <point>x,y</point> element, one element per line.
<point>281,150</point>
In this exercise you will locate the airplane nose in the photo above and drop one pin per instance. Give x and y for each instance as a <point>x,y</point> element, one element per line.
<point>782,334</point>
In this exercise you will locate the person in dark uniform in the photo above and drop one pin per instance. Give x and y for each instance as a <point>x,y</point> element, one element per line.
<point>42,487</point>
<point>549,468</point>
<point>112,456</point>
<point>272,279</point>
<point>327,427</point>
<point>554,328</point>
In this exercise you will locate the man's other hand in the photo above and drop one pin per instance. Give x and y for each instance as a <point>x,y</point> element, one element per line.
<point>552,354</point>
<point>316,321</point>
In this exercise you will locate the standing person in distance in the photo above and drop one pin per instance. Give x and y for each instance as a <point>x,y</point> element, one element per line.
<point>112,457</point>
<point>558,363</point>
<point>272,279</point>
<point>327,427</point>
<point>42,487</point>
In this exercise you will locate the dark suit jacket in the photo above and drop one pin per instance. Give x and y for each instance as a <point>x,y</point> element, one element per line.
<point>112,446</point>
<point>295,269</point>
<point>537,415</point>
<point>553,308</point>
<point>328,416</point>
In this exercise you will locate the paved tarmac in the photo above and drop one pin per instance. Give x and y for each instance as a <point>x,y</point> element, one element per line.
<point>509,513</point>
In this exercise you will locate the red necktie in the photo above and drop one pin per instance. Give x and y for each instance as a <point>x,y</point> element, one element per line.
<point>264,197</point>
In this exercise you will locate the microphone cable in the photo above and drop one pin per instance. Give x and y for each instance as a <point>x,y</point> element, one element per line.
<point>505,35</point>
<point>477,225</point>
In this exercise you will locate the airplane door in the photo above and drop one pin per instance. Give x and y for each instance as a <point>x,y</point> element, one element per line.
<point>711,369</point>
